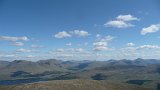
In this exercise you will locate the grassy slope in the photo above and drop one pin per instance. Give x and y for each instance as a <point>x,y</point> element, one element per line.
<point>74,85</point>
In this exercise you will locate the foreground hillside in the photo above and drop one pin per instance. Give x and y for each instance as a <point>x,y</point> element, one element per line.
<point>74,85</point>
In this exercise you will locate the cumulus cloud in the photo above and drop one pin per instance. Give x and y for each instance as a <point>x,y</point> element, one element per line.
<point>130,44</point>
<point>118,24</point>
<point>60,50</point>
<point>36,46</point>
<point>30,56</point>
<point>78,54</point>
<point>149,47</point>
<point>9,38</point>
<point>151,29</point>
<point>80,33</point>
<point>101,48</point>
<point>127,52</point>
<point>79,50</point>
<point>69,53</point>
<point>121,21</point>
<point>102,43</point>
<point>66,55</point>
<point>62,34</point>
<point>142,47</point>
<point>23,50</point>
<point>126,17</point>
<point>17,43</point>
<point>8,56</point>
<point>98,35</point>
<point>70,50</point>
<point>142,51</point>
<point>69,44</point>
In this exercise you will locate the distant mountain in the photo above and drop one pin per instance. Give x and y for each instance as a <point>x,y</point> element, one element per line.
<point>57,65</point>
<point>53,64</point>
<point>3,63</point>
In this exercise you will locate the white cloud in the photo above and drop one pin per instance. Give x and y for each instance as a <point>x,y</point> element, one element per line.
<point>69,44</point>
<point>80,33</point>
<point>7,56</point>
<point>23,50</point>
<point>127,17</point>
<point>142,51</point>
<point>9,38</point>
<point>77,54</point>
<point>150,29</point>
<point>127,52</point>
<point>64,55</point>
<point>102,43</point>
<point>79,50</point>
<point>118,24</point>
<point>62,34</point>
<point>98,35</point>
<point>17,43</point>
<point>121,21</point>
<point>69,53</point>
<point>106,38</point>
<point>30,56</point>
<point>60,50</point>
<point>36,46</point>
<point>149,47</point>
<point>130,44</point>
<point>142,47</point>
<point>69,50</point>
<point>101,48</point>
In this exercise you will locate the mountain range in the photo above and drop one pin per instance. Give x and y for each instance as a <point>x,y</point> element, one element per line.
<point>142,72</point>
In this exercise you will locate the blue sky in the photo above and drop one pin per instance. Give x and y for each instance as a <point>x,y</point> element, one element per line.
<point>79,29</point>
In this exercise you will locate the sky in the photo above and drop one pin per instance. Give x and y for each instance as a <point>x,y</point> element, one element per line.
<point>79,29</point>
